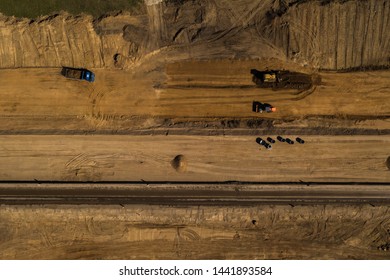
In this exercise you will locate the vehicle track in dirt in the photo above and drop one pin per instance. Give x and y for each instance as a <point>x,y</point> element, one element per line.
<point>131,231</point>
<point>209,91</point>
<point>87,158</point>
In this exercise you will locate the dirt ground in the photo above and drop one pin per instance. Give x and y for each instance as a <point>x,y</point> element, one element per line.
<point>205,158</point>
<point>172,102</point>
<point>317,33</point>
<point>195,90</point>
<point>201,232</point>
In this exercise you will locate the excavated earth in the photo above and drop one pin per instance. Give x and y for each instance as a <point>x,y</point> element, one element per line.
<point>172,102</point>
<point>319,34</point>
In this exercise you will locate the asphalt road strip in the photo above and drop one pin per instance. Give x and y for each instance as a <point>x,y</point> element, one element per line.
<point>235,193</point>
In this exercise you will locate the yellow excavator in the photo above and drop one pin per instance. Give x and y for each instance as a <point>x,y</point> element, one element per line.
<point>281,79</point>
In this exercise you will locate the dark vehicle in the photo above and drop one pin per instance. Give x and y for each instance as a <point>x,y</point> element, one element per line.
<point>78,74</point>
<point>259,107</point>
<point>300,141</point>
<point>278,79</point>
<point>269,139</point>
<point>260,141</point>
<point>288,140</point>
<point>267,146</point>
<point>263,143</point>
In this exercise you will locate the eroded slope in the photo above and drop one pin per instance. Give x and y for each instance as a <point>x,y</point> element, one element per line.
<point>319,34</point>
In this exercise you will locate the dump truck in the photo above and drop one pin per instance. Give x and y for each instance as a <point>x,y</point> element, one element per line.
<point>78,74</point>
<point>278,79</point>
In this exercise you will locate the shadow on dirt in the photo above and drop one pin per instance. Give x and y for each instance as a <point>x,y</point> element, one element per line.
<point>179,163</point>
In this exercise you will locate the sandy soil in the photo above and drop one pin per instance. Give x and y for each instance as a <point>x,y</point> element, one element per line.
<point>210,90</point>
<point>172,101</point>
<point>206,158</point>
<point>328,35</point>
<point>201,232</point>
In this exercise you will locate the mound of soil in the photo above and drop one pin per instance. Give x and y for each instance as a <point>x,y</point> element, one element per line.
<point>179,163</point>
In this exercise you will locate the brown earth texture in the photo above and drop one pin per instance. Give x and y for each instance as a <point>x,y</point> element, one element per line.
<point>172,104</point>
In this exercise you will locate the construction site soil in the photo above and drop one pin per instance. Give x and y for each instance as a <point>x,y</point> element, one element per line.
<point>199,232</point>
<point>172,102</point>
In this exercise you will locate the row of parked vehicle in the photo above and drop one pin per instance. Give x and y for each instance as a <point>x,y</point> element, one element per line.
<point>270,140</point>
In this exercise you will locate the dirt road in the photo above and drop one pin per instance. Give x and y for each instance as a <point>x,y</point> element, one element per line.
<point>120,100</point>
<point>205,158</point>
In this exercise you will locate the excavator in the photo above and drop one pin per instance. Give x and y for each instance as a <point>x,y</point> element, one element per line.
<point>281,79</point>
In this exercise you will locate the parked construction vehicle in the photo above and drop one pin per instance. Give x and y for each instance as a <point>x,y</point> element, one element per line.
<point>78,74</point>
<point>279,79</point>
<point>259,107</point>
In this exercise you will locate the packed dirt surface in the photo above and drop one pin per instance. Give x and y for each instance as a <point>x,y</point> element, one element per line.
<point>172,103</point>
<point>193,158</point>
<point>200,232</point>
<point>213,91</point>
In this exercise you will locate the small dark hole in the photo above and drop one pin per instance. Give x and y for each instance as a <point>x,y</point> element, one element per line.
<point>116,57</point>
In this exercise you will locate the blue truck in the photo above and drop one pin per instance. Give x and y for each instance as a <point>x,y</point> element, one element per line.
<point>78,74</point>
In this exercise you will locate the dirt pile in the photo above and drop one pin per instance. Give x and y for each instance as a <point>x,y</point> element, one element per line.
<point>179,163</point>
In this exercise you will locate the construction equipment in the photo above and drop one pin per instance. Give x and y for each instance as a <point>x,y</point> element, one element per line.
<point>279,79</point>
<point>259,107</point>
